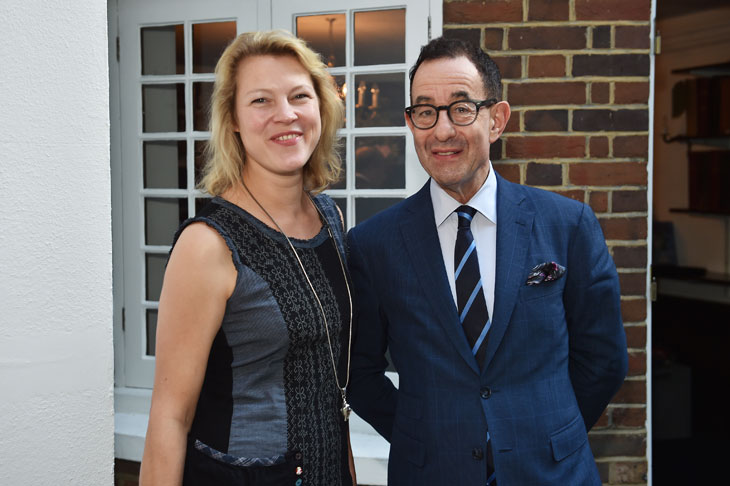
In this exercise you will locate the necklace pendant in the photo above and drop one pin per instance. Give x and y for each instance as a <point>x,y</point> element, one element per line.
<point>346,409</point>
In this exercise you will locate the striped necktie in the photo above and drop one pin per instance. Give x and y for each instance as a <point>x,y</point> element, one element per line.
<point>471,304</point>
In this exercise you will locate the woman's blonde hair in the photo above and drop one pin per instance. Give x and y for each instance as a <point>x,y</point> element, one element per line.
<point>226,154</point>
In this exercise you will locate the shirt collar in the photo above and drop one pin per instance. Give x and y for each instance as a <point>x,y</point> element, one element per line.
<point>484,201</point>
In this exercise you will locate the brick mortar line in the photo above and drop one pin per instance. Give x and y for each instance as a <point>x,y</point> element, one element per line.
<point>618,432</point>
<point>633,298</point>
<point>627,243</point>
<point>588,79</point>
<point>636,325</point>
<point>584,51</point>
<point>568,161</point>
<point>607,459</point>
<point>586,133</point>
<point>631,270</point>
<point>628,214</point>
<point>549,23</point>
<point>627,405</point>
<point>587,106</point>
<point>637,350</point>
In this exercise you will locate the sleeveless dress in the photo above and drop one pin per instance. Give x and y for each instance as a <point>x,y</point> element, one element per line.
<point>269,408</point>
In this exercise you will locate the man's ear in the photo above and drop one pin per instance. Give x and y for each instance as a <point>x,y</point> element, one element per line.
<point>500,116</point>
<point>408,121</point>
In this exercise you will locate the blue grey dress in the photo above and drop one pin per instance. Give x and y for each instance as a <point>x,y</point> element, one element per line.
<point>269,408</point>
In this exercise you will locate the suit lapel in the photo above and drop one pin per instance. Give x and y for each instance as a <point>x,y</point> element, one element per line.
<point>514,226</point>
<point>418,229</point>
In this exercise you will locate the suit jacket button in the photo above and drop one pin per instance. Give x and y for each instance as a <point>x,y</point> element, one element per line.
<point>477,454</point>
<point>485,392</point>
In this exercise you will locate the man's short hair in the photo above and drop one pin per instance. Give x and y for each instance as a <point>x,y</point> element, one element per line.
<point>446,48</point>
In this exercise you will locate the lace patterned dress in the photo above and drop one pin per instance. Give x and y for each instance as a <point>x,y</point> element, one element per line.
<point>269,403</point>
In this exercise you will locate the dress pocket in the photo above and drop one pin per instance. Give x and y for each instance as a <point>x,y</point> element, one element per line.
<point>205,465</point>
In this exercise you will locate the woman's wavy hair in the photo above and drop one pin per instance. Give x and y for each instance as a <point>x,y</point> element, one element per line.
<point>225,153</point>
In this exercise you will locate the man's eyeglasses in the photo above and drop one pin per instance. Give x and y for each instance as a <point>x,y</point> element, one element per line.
<point>461,112</point>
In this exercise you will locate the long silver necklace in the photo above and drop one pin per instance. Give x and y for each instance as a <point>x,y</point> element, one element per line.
<point>346,409</point>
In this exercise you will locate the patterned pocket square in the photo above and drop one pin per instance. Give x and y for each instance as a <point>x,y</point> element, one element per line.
<point>545,272</point>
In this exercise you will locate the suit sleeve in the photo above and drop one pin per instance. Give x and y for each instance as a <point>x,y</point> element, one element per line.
<point>371,393</point>
<point>598,354</point>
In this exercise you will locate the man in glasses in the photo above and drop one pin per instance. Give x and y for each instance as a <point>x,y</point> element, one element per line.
<point>499,304</point>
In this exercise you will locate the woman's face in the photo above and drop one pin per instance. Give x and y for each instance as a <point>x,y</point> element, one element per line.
<point>277,114</point>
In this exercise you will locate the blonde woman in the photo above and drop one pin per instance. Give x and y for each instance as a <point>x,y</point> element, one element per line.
<point>255,317</point>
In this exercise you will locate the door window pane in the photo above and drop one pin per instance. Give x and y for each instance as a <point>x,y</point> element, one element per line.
<point>200,203</point>
<point>325,35</point>
<point>164,164</point>
<point>380,162</point>
<point>380,37</point>
<point>380,99</point>
<point>202,92</point>
<point>154,271</point>
<point>369,206</point>
<point>199,160</point>
<point>209,42</point>
<point>342,91</point>
<point>162,216</point>
<point>342,204</point>
<point>162,50</point>
<point>151,331</point>
<point>342,150</point>
<point>163,108</point>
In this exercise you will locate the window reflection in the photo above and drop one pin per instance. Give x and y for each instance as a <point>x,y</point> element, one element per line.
<point>199,157</point>
<point>326,35</point>
<point>154,271</point>
<point>151,331</point>
<point>163,108</point>
<point>342,150</point>
<point>209,42</point>
<point>379,100</point>
<point>342,204</point>
<point>369,206</point>
<point>202,92</point>
<point>162,218</point>
<point>380,162</point>
<point>380,37</point>
<point>164,164</point>
<point>163,50</point>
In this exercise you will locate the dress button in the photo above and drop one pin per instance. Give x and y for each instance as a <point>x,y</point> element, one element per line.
<point>298,456</point>
<point>485,392</point>
<point>477,454</point>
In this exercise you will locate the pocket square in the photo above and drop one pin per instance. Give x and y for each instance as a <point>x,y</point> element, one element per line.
<point>545,272</point>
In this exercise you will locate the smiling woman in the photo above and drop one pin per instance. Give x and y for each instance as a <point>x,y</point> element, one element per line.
<point>255,317</point>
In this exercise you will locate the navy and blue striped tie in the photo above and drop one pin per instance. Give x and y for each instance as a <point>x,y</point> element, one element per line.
<point>470,301</point>
<point>471,304</point>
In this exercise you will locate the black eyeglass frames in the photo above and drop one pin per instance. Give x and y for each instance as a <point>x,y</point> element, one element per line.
<point>460,112</point>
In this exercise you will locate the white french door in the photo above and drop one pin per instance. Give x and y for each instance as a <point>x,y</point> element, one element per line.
<point>167,54</point>
<point>162,78</point>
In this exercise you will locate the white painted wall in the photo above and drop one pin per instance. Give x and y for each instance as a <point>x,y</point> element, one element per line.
<point>56,355</point>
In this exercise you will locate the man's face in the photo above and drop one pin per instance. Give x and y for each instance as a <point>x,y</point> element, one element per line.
<point>456,157</point>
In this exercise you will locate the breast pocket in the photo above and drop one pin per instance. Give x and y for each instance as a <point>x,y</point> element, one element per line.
<point>542,290</point>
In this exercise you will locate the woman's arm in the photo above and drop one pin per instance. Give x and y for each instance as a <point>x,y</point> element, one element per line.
<point>199,279</point>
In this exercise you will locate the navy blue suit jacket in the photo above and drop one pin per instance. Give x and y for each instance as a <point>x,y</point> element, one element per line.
<point>556,353</point>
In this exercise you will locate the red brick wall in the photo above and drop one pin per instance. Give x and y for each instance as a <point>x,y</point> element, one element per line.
<point>576,73</point>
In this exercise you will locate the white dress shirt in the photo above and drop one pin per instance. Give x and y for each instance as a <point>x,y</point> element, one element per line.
<point>483,227</point>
